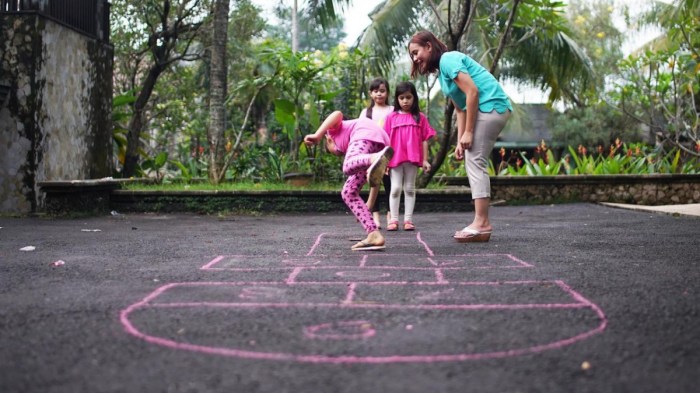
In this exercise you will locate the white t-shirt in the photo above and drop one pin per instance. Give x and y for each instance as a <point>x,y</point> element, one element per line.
<point>379,113</point>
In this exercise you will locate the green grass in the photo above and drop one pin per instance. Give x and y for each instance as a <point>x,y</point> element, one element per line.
<point>230,186</point>
<point>247,186</point>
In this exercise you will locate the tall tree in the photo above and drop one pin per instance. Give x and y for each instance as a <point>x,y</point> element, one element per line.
<point>156,34</point>
<point>217,92</point>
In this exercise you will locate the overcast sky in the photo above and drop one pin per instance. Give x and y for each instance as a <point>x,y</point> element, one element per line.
<point>356,18</point>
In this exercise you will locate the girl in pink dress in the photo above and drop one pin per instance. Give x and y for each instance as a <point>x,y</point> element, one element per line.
<point>367,153</point>
<point>409,132</point>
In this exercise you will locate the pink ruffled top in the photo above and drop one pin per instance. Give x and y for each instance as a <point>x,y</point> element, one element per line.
<point>406,137</point>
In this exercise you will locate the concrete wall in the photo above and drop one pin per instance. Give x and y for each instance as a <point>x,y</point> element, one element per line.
<point>55,123</point>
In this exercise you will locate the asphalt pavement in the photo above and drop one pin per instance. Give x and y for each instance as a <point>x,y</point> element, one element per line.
<point>564,298</point>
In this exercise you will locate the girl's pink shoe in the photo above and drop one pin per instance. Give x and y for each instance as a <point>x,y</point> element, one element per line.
<point>408,226</point>
<point>393,226</point>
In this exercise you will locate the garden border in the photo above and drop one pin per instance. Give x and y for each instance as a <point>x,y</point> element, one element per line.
<point>104,195</point>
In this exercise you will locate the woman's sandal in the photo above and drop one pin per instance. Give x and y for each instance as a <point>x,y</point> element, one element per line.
<point>469,235</point>
<point>408,226</point>
<point>393,226</point>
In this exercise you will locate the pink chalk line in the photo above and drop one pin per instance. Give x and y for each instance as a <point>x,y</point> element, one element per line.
<point>289,262</point>
<point>363,261</point>
<point>331,283</point>
<point>430,252</point>
<point>351,294</point>
<point>581,303</point>
<point>293,275</point>
<point>440,277</point>
<point>363,328</point>
<point>212,263</point>
<point>313,248</point>
<point>343,305</point>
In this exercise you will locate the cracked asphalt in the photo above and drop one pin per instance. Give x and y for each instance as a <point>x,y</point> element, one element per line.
<point>564,298</point>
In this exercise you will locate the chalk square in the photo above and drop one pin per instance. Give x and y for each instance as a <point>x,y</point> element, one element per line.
<point>365,274</point>
<point>464,294</point>
<point>232,262</point>
<point>479,261</point>
<point>398,260</point>
<point>247,294</point>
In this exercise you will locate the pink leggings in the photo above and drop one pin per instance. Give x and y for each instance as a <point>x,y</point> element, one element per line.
<point>357,160</point>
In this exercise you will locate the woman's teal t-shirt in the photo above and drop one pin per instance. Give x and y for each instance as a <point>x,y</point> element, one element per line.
<point>491,94</point>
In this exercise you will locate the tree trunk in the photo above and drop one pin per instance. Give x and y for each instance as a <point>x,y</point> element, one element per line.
<point>454,34</point>
<point>295,28</point>
<point>163,47</point>
<point>133,138</point>
<point>504,38</point>
<point>445,145</point>
<point>217,93</point>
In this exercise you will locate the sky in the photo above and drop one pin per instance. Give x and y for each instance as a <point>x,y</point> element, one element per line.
<point>356,20</point>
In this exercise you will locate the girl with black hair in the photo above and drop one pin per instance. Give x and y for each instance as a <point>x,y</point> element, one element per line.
<point>409,132</point>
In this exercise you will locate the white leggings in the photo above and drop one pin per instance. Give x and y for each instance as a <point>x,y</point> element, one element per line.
<point>403,178</point>
<point>476,159</point>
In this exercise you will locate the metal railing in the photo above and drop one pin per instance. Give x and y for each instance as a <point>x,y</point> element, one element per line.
<point>90,17</point>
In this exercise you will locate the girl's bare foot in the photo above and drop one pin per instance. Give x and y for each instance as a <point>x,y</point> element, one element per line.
<point>373,241</point>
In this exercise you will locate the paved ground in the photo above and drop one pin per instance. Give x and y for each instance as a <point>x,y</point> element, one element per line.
<point>565,298</point>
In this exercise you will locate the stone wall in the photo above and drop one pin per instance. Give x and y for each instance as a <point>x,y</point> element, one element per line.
<point>101,196</point>
<point>641,190</point>
<point>55,123</point>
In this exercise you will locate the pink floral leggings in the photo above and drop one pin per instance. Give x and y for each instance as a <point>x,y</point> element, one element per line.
<point>358,159</point>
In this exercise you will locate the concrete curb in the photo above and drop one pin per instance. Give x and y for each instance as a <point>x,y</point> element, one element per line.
<point>692,209</point>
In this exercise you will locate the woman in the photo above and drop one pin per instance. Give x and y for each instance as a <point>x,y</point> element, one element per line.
<point>482,111</point>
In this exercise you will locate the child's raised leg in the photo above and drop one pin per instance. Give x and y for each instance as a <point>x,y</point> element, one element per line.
<point>357,159</point>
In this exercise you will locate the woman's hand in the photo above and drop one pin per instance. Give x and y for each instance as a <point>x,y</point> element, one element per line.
<point>426,166</point>
<point>465,142</point>
<point>459,152</point>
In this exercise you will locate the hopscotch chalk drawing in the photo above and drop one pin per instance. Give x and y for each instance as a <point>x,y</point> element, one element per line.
<point>369,308</point>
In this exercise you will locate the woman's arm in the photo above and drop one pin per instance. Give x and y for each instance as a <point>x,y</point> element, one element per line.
<point>461,117</point>
<point>332,121</point>
<point>466,84</point>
